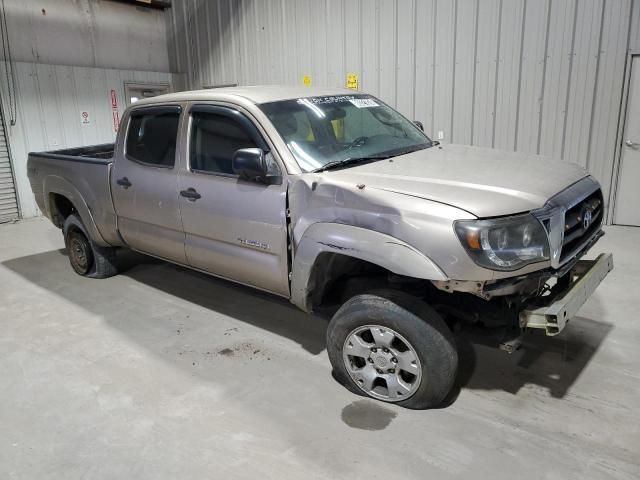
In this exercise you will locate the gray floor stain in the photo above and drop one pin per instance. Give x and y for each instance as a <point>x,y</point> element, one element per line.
<point>244,350</point>
<point>367,415</point>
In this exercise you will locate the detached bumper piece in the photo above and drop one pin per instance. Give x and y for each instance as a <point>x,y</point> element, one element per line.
<point>553,314</point>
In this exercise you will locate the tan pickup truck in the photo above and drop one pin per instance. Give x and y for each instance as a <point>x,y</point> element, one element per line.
<point>336,201</point>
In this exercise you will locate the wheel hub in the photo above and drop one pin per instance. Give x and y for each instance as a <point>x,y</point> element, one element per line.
<point>382,363</point>
<point>79,253</point>
<point>381,360</point>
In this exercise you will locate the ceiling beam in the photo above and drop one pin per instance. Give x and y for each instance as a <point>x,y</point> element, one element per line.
<point>156,4</point>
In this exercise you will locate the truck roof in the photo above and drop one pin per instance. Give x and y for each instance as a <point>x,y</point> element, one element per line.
<point>256,94</point>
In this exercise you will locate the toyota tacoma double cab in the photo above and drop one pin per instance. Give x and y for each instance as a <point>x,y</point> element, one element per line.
<point>334,200</point>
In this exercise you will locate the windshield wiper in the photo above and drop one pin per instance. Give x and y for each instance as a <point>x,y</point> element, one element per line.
<point>350,161</point>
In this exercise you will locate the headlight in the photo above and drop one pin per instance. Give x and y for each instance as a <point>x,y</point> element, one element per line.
<point>504,243</point>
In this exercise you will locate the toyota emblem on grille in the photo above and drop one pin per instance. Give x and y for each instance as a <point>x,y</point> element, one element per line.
<point>587,218</point>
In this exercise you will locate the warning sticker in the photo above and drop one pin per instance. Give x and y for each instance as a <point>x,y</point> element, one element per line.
<point>85,119</point>
<point>306,80</point>
<point>352,81</point>
<point>364,102</point>
<point>114,111</point>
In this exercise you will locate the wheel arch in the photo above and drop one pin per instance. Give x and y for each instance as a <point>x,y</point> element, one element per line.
<point>322,243</point>
<point>62,199</point>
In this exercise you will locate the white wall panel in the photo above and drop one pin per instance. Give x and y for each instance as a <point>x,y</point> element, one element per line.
<point>559,67</point>
<point>92,33</point>
<point>541,76</point>
<point>508,82</point>
<point>426,44</point>
<point>50,99</point>
<point>605,113</point>
<point>487,49</point>
<point>584,71</point>
<point>445,13</point>
<point>465,68</point>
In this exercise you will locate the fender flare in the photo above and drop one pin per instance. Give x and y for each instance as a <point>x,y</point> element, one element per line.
<point>368,245</point>
<point>61,186</point>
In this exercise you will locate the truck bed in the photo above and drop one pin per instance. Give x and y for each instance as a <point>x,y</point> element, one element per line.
<point>81,175</point>
<point>102,152</point>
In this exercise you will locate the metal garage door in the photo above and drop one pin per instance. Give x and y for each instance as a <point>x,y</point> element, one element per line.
<point>8,201</point>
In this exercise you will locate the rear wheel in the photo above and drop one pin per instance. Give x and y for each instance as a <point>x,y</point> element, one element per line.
<point>79,251</point>
<point>392,347</point>
<point>86,258</point>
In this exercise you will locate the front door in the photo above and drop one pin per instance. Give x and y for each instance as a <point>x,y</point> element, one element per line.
<point>144,183</point>
<point>233,228</point>
<point>626,211</point>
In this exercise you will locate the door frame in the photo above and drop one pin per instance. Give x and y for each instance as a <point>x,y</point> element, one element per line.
<point>622,123</point>
<point>143,86</point>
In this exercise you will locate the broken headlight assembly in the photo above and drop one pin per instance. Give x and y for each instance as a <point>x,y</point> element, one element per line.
<point>507,243</point>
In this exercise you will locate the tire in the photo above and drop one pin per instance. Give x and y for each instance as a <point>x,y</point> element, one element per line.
<point>415,369</point>
<point>87,259</point>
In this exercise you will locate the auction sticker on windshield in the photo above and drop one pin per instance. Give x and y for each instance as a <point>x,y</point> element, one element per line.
<point>327,100</point>
<point>364,102</point>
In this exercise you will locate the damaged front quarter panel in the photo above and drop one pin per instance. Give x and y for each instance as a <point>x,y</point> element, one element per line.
<point>347,220</point>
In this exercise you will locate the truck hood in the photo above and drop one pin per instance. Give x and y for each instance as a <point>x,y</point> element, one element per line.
<point>482,181</point>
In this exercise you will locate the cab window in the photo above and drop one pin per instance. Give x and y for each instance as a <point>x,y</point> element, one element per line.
<point>214,140</point>
<point>151,137</point>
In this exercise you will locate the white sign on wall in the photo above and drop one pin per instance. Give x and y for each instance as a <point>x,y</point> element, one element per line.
<point>85,119</point>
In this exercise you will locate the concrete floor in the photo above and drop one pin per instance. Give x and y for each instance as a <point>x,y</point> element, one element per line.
<point>166,373</point>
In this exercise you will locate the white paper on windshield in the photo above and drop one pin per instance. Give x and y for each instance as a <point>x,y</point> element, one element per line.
<point>364,102</point>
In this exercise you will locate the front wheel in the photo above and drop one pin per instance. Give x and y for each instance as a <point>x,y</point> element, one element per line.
<point>393,347</point>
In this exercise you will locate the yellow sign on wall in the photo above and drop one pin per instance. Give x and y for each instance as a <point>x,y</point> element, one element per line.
<point>352,81</point>
<point>306,80</point>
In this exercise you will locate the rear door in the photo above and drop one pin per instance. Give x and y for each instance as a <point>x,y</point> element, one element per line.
<point>144,183</point>
<point>234,228</point>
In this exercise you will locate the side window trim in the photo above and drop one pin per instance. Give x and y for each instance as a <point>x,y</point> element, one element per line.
<point>155,110</point>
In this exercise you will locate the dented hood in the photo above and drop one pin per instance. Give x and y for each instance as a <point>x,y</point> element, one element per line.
<point>482,181</point>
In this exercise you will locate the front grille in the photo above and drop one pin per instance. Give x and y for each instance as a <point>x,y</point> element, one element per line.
<point>577,228</point>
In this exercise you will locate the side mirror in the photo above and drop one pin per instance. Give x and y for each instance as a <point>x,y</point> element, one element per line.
<point>249,163</point>
<point>419,124</point>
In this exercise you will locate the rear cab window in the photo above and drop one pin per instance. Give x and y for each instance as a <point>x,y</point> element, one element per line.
<point>151,136</point>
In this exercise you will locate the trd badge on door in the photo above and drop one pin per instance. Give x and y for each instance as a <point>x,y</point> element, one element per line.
<point>254,243</point>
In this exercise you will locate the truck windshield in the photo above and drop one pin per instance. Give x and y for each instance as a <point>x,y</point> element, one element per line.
<point>340,130</point>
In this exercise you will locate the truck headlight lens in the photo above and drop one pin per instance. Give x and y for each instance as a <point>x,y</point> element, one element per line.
<point>506,243</point>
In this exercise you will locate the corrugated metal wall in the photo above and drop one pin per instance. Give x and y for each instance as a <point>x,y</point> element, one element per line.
<point>50,99</point>
<point>542,76</point>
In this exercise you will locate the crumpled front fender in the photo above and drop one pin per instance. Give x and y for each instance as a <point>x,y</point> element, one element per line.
<point>374,247</point>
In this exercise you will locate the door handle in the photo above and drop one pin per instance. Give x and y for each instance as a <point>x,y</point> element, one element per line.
<point>631,144</point>
<point>190,194</point>
<point>124,182</point>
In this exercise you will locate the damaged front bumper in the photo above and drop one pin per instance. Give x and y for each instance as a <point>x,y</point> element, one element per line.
<point>552,312</point>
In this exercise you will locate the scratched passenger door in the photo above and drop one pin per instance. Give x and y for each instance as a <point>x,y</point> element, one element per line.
<point>234,228</point>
